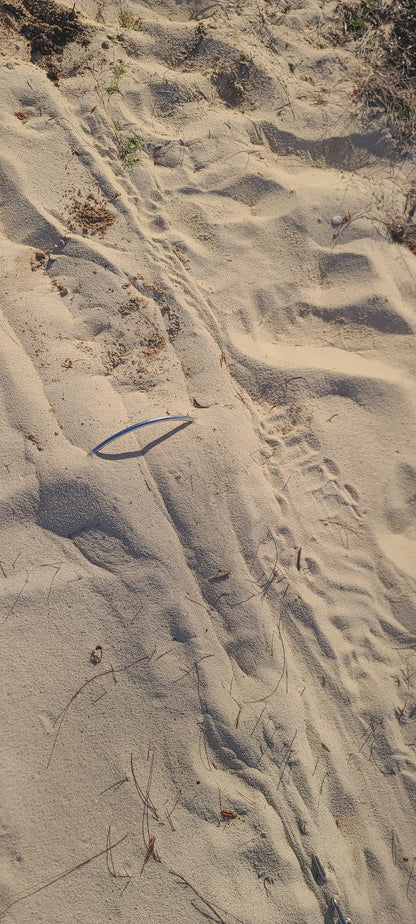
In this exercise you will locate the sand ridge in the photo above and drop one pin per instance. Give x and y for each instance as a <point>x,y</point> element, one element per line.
<point>249,578</point>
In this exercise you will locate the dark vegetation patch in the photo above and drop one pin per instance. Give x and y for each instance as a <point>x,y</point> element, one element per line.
<point>48,28</point>
<point>386,33</point>
<point>390,28</point>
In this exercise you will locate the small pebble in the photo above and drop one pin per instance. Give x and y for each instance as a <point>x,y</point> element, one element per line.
<point>336,221</point>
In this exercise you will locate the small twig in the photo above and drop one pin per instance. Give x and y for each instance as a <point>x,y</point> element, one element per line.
<point>48,882</point>
<point>264,699</point>
<point>393,847</point>
<point>240,708</point>
<point>115,785</point>
<point>410,877</point>
<point>267,581</point>
<point>53,576</point>
<point>332,520</point>
<point>145,817</point>
<point>16,601</point>
<point>169,814</point>
<point>109,856</point>
<point>194,667</point>
<point>107,114</point>
<point>287,758</point>
<point>204,900</point>
<point>208,762</point>
<point>323,781</point>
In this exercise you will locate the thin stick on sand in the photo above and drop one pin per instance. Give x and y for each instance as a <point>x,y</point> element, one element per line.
<point>48,882</point>
<point>110,670</point>
<point>195,891</point>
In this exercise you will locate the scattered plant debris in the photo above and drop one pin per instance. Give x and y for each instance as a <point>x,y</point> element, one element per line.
<point>403,233</point>
<point>402,228</point>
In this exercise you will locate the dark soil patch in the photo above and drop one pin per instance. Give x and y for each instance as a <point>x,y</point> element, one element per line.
<point>48,28</point>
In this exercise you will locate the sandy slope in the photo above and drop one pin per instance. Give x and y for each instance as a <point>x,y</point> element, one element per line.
<point>257,566</point>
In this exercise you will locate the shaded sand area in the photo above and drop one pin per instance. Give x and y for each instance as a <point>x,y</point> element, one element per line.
<point>208,630</point>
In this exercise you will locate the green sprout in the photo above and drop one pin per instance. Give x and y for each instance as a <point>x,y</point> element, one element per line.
<point>404,111</point>
<point>129,150</point>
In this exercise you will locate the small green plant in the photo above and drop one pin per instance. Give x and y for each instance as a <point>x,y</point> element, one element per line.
<point>404,112</point>
<point>127,19</point>
<point>360,16</point>
<point>129,150</point>
<point>113,88</point>
<point>118,70</point>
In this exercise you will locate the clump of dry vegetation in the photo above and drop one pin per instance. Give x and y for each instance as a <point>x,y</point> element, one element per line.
<point>402,228</point>
<point>385,31</point>
<point>89,213</point>
<point>127,19</point>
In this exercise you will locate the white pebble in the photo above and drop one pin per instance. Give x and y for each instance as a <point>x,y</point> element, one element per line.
<point>336,221</point>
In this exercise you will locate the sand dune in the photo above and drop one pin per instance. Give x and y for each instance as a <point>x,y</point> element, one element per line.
<point>208,630</point>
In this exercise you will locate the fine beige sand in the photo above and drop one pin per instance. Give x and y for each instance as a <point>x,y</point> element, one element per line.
<point>208,630</point>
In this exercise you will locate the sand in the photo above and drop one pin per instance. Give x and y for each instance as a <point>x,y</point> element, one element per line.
<point>208,630</point>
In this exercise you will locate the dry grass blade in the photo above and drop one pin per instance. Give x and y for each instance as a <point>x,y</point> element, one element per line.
<point>145,818</point>
<point>145,797</point>
<point>149,839</point>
